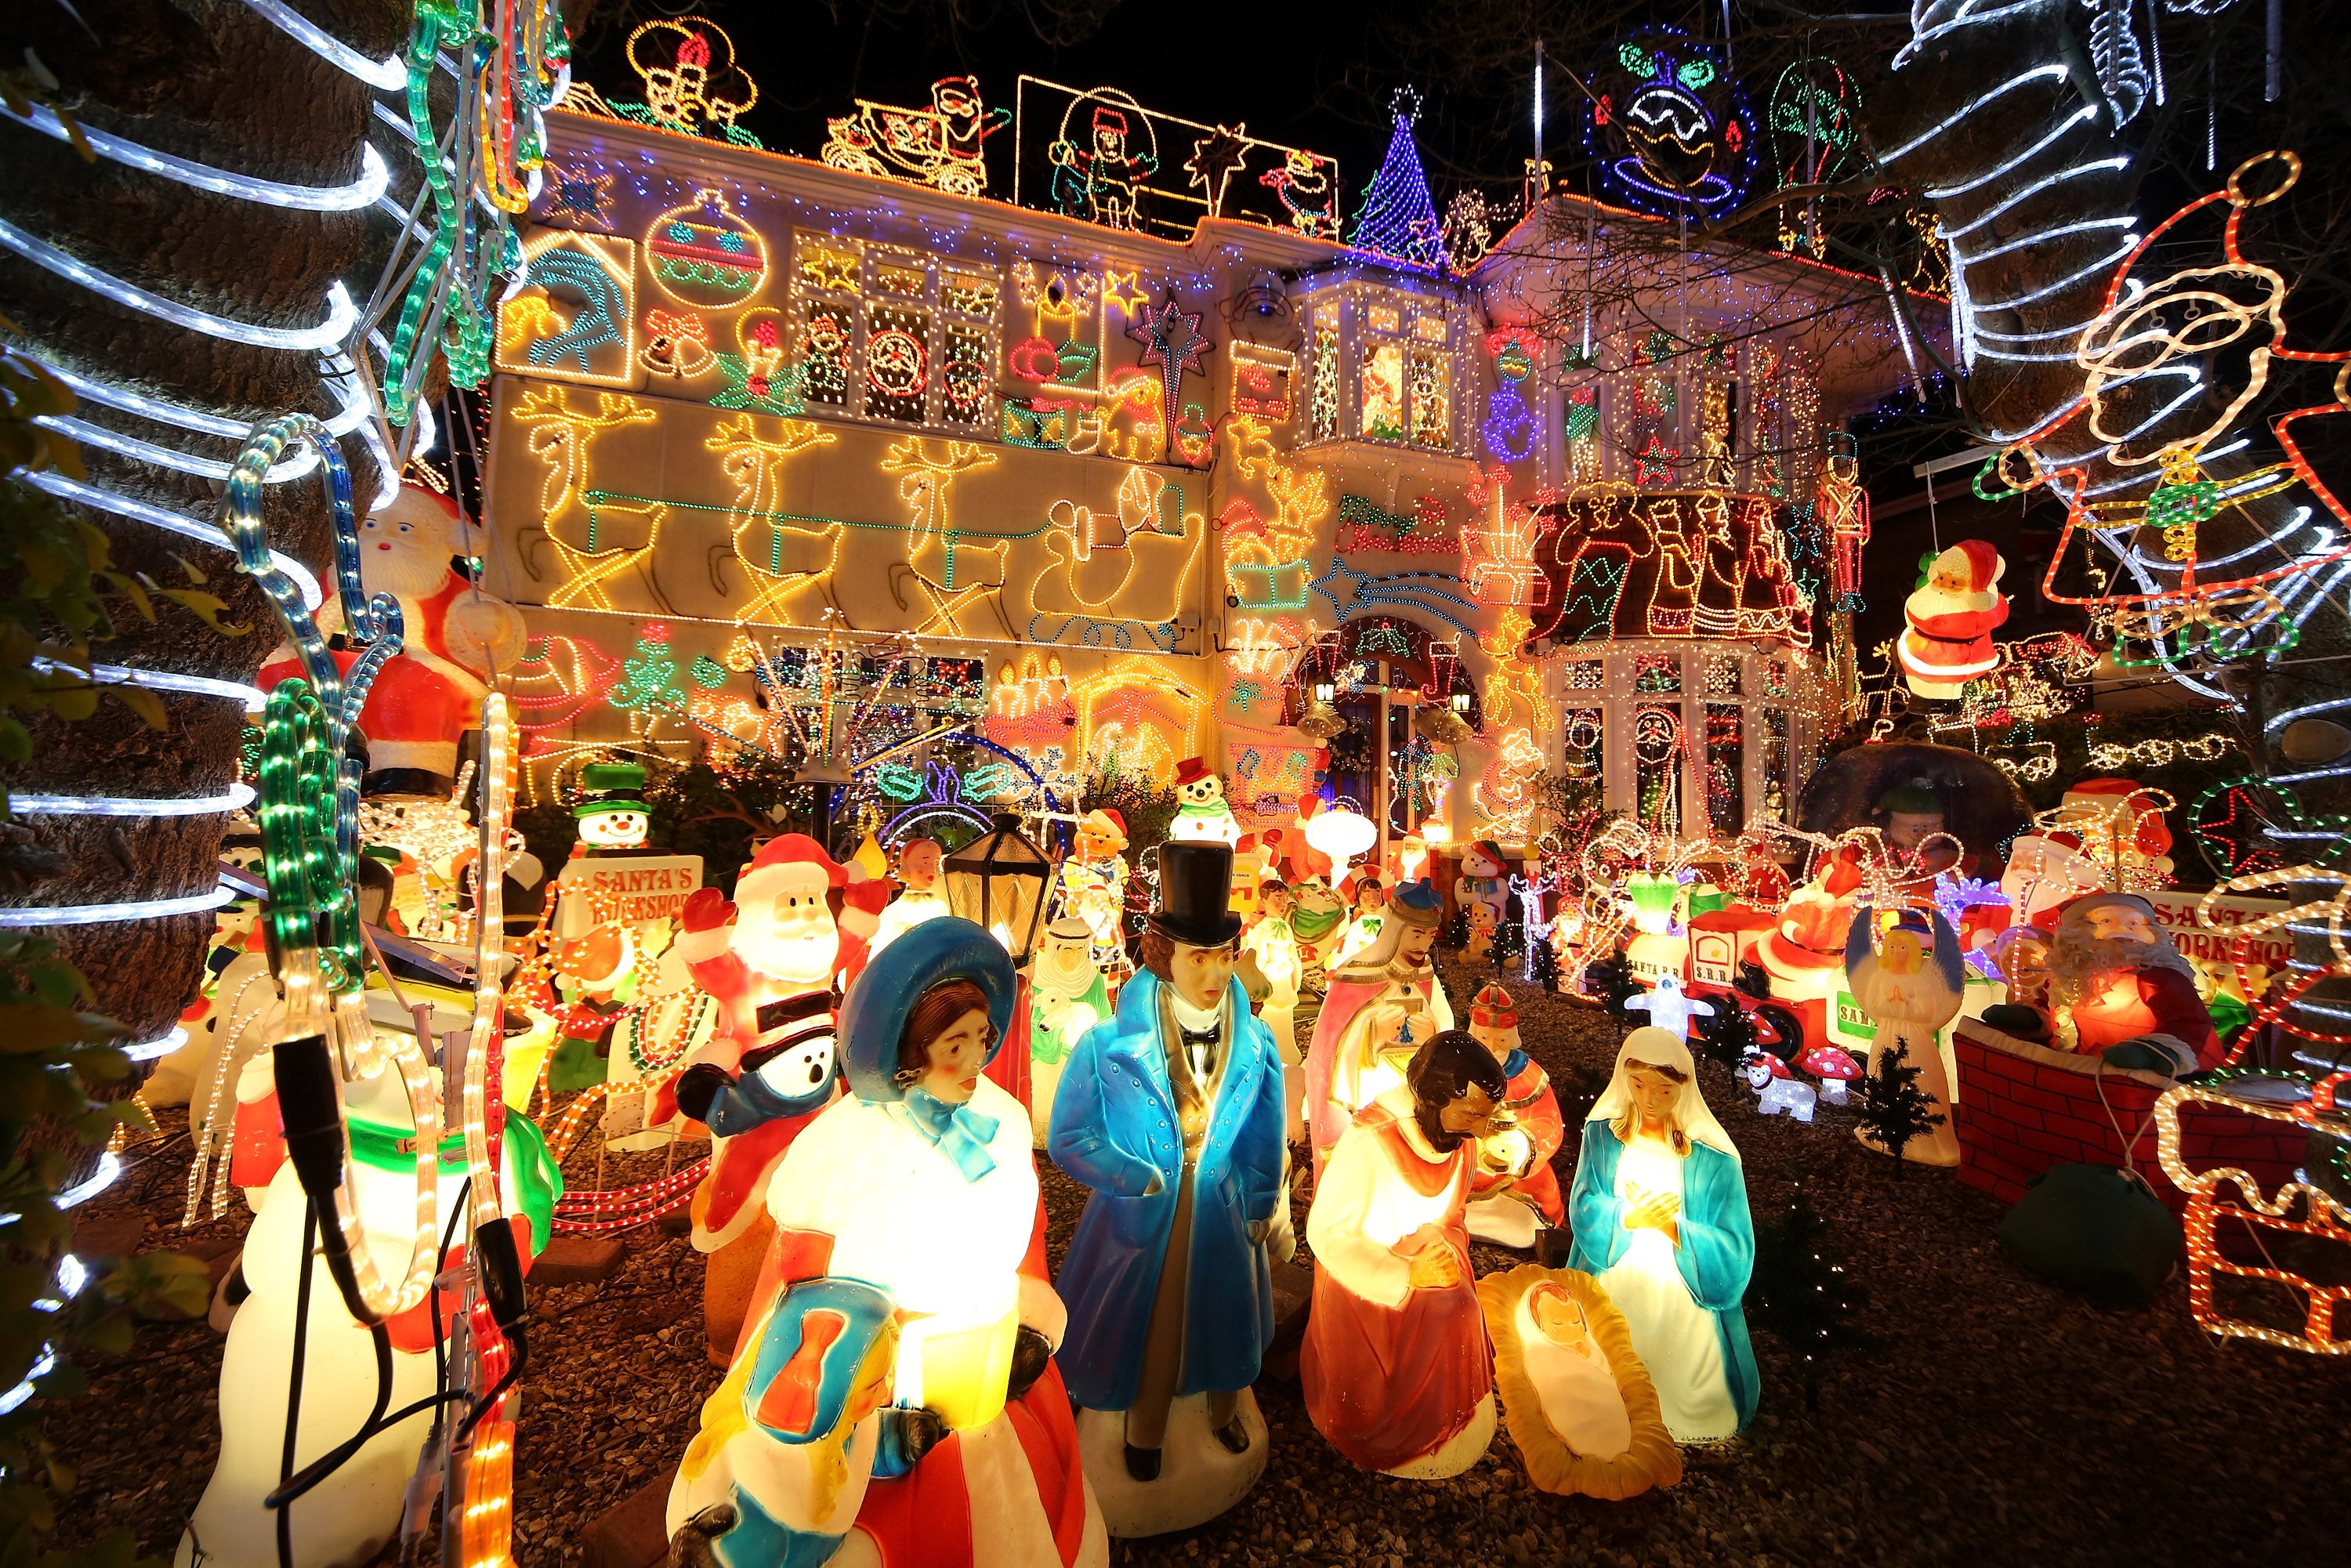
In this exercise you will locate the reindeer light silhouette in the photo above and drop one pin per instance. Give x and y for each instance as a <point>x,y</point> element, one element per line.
<point>559,437</point>
<point>764,536</point>
<point>969,575</point>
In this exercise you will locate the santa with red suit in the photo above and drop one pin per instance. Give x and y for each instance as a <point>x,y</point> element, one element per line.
<point>1952,616</point>
<point>452,635</point>
<point>776,961</point>
<point>2118,982</point>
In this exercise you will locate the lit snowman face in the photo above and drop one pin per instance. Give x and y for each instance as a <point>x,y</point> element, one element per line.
<point>614,830</point>
<point>1201,791</point>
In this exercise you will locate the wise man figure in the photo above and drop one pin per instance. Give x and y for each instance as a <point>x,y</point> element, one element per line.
<point>1394,977</point>
<point>1172,1112</point>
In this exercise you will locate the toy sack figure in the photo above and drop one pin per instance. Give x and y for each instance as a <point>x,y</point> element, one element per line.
<point>1578,1403</point>
<point>769,960</point>
<point>1659,1208</point>
<point>1394,1368</point>
<point>1172,1115</point>
<point>1201,814</point>
<point>895,1381</point>
<point>1515,1192</point>
<point>1390,982</point>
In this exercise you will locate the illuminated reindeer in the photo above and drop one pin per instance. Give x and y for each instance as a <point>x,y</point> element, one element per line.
<point>765,538</point>
<point>560,437</point>
<point>969,574</point>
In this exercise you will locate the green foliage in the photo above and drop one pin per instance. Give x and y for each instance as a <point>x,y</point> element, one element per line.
<point>1894,1110</point>
<point>1147,806</point>
<point>1801,1292</point>
<point>54,1057</point>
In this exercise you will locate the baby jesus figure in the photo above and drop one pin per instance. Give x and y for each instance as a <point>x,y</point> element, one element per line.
<point>1576,1399</point>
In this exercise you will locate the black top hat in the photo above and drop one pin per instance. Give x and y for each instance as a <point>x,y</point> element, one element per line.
<point>1196,880</point>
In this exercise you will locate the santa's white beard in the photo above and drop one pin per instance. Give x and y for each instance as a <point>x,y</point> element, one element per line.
<point>2081,963</point>
<point>406,572</point>
<point>1929,602</point>
<point>794,958</point>
<point>1921,997</point>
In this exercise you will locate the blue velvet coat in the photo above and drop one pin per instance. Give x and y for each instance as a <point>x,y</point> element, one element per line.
<point>1114,1128</point>
<point>1716,1253</point>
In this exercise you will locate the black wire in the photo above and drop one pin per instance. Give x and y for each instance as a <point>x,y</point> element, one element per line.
<point>318,1470</point>
<point>294,1382</point>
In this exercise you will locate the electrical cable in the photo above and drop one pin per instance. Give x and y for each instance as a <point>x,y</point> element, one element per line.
<point>294,1379</point>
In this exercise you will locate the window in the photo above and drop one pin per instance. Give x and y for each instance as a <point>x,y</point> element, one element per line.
<point>1386,365</point>
<point>894,335</point>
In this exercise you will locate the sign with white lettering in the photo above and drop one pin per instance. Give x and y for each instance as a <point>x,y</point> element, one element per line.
<point>2216,942</point>
<point>649,887</point>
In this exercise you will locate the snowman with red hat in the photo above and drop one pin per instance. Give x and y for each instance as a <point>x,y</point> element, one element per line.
<point>452,635</point>
<point>1952,616</point>
<point>800,927</point>
<point>1202,815</point>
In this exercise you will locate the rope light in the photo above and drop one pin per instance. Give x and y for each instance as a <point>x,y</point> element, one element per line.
<point>105,500</point>
<point>162,681</point>
<point>105,914</point>
<point>239,796</point>
<point>386,75</point>
<point>375,176</point>
<point>341,314</point>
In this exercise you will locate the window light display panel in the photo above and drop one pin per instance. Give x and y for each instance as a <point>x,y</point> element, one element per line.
<point>1695,738</point>
<point>894,335</point>
<point>1386,365</point>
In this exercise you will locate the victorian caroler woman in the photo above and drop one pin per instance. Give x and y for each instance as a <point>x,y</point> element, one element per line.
<point>893,1399</point>
<point>1659,1210</point>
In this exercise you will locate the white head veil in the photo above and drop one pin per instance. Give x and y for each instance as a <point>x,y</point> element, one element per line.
<point>1662,1048</point>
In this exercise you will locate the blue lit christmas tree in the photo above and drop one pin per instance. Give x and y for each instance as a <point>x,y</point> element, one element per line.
<point>1398,219</point>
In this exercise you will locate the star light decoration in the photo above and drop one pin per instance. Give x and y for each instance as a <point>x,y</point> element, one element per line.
<point>1654,463</point>
<point>1125,290</point>
<point>577,194</point>
<point>1172,342</point>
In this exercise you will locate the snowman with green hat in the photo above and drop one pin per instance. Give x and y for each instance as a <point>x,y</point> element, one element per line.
<point>610,810</point>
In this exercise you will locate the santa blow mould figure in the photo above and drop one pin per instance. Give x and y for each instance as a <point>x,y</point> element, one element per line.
<point>1952,616</point>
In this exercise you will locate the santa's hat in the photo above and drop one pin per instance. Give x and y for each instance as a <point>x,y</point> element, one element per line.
<point>1974,559</point>
<point>1104,820</point>
<point>1493,1008</point>
<point>1191,770</point>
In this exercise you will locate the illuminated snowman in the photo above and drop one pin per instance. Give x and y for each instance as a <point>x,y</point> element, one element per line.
<point>1201,814</point>
<point>611,816</point>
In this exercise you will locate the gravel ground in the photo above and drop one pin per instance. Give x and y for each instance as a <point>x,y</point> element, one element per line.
<point>2003,1421</point>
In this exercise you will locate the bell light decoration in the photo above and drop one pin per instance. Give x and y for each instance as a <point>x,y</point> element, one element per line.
<point>1343,834</point>
<point>999,882</point>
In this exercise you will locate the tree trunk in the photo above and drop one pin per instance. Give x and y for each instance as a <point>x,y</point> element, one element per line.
<point>213,81</point>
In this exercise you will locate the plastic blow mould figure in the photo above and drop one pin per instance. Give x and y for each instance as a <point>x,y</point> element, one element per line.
<point>1516,1192</point>
<point>1068,995</point>
<point>894,1400</point>
<point>1391,978</point>
<point>1659,1208</point>
<point>1580,1405</point>
<point>1173,1115</point>
<point>1910,987</point>
<point>1394,1368</point>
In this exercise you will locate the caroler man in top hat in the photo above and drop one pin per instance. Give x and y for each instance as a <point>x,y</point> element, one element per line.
<point>1172,1112</point>
<point>1391,979</point>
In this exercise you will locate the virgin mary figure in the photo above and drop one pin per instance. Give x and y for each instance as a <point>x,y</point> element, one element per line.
<point>893,1398</point>
<point>1659,1211</point>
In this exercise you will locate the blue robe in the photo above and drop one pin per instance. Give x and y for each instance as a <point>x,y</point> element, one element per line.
<point>1114,1127</point>
<point>1716,1253</point>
